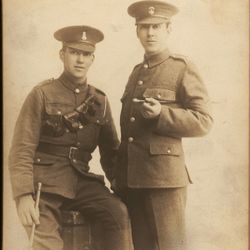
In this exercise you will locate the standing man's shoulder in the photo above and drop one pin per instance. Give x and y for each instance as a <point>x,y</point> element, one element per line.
<point>179,57</point>
<point>185,66</point>
<point>183,61</point>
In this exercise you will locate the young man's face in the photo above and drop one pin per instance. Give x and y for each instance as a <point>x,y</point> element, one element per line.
<point>153,37</point>
<point>76,62</point>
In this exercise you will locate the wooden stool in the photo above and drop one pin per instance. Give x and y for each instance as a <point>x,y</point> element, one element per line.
<point>79,233</point>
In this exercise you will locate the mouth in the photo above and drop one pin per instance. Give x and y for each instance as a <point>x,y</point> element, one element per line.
<point>79,67</point>
<point>150,41</point>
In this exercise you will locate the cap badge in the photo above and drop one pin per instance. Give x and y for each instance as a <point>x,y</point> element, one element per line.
<point>151,10</point>
<point>84,36</point>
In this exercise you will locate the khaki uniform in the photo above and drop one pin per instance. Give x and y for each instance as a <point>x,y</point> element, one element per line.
<point>40,125</point>
<point>151,152</point>
<point>45,150</point>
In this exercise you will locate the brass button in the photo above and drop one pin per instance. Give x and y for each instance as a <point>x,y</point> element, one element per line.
<point>80,126</point>
<point>38,159</point>
<point>67,131</point>
<point>130,139</point>
<point>140,82</point>
<point>97,121</point>
<point>78,144</point>
<point>159,96</point>
<point>74,160</point>
<point>132,119</point>
<point>77,91</point>
<point>168,151</point>
<point>145,66</point>
<point>59,112</point>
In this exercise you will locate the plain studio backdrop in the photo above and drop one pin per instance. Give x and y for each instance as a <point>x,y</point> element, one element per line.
<point>212,33</point>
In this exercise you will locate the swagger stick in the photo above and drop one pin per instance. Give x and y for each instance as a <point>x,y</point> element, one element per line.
<point>33,224</point>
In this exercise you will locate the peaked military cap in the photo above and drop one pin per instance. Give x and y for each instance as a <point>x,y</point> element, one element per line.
<point>152,11</point>
<point>79,37</point>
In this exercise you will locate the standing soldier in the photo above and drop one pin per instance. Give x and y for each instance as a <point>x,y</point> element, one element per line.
<point>164,100</point>
<point>61,123</point>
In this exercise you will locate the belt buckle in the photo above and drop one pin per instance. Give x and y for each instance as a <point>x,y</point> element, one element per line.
<point>72,151</point>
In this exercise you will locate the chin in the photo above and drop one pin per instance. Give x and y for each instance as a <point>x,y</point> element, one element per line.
<point>78,75</point>
<point>151,50</point>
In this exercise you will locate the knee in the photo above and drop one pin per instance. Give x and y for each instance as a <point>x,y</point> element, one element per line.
<point>120,214</point>
<point>122,210</point>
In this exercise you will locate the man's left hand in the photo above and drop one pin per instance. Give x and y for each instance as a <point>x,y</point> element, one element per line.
<point>151,108</point>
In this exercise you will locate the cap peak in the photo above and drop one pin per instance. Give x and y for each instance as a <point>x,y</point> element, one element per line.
<point>80,37</point>
<point>152,11</point>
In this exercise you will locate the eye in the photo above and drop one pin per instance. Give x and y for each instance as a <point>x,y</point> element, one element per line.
<point>156,26</point>
<point>142,26</point>
<point>87,54</point>
<point>73,52</point>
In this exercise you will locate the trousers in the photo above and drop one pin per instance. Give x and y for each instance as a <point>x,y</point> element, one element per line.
<point>94,201</point>
<point>157,218</point>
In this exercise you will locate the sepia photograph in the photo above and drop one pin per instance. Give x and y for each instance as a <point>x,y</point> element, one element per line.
<point>126,124</point>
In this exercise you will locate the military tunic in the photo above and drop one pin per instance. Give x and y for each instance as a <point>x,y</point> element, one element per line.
<point>45,150</point>
<point>151,175</point>
<point>40,122</point>
<point>157,143</point>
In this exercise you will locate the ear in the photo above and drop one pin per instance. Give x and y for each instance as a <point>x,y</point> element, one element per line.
<point>169,28</point>
<point>93,57</point>
<point>61,54</point>
<point>137,31</point>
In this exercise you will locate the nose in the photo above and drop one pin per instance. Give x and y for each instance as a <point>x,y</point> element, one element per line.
<point>80,57</point>
<point>150,30</point>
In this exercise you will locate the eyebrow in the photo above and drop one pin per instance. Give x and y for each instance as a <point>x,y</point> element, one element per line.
<point>149,24</point>
<point>79,51</point>
<point>76,50</point>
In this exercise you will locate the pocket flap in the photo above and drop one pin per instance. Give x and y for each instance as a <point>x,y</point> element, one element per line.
<point>160,94</point>
<point>165,149</point>
<point>44,159</point>
<point>57,108</point>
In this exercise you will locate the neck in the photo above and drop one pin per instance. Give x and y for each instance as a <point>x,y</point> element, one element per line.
<point>149,54</point>
<point>74,80</point>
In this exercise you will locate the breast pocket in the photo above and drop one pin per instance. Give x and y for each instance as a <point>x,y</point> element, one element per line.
<point>52,124</point>
<point>161,94</point>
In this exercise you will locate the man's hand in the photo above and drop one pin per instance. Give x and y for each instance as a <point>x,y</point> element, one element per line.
<point>26,210</point>
<point>150,108</point>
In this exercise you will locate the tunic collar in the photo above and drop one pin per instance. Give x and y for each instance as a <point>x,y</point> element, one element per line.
<point>156,59</point>
<point>69,83</point>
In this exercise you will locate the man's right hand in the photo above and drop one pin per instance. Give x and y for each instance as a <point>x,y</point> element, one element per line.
<point>26,210</point>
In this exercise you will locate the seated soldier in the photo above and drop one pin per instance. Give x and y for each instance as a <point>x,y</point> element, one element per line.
<point>61,123</point>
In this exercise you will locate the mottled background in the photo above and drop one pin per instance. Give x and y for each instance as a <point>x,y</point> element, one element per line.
<point>212,33</point>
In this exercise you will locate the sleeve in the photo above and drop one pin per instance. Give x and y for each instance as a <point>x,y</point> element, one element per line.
<point>108,144</point>
<point>24,143</point>
<point>193,118</point>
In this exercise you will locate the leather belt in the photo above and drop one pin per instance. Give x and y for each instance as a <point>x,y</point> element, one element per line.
<point>72,153</point>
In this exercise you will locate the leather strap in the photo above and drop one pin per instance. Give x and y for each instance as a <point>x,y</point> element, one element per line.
<point>69,152</point>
